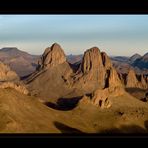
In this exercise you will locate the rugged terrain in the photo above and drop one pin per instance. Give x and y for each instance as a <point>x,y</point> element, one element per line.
<point>53,71</point>
<point>122,63</point>
<point>137,62</point>
<point>87,96</point>
<point>24,114</point>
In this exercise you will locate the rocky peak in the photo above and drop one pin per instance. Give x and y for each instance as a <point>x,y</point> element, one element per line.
<point>91,60</point>
<point>135,56</point>
<point>132,80</point>
<point>96,72</point>
<point>114,80</point>
<point>52,56</point>
<point>91,69</point>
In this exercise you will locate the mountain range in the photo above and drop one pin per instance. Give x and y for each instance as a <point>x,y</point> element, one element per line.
<point>122,63</point>
<point>137,62</point>
<point>24,63</point>
<point>72,94</point>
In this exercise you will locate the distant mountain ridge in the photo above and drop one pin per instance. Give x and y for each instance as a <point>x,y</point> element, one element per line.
<point>122,63</point>
<point>137,62</point>
<point>21,62</point>
<point>134,57</point>
<point>24,63</point>
<point>74,58</point>
<point>141,62</point>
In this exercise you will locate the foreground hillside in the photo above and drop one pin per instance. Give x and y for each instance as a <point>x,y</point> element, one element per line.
<point>24,114</point>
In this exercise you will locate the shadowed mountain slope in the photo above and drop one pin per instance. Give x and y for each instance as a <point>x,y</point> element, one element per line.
<point>24,114</point>
<point>19,61</point>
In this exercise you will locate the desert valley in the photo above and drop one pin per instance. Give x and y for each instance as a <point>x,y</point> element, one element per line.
<point>59,93</point>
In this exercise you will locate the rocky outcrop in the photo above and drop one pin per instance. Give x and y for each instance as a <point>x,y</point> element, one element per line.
<point>91,70</point>
<point>114,81</point>
<point>96,72</point>
<point>6,74</point>
<point>9,79</point>
<point>100,98</point>
<point>51,79</point>
<point>91,60</point>
<point>92,67</point>
<point>51,57</point>
<point>132,80</point>
<point>18,87</point>
<point>97,67</point>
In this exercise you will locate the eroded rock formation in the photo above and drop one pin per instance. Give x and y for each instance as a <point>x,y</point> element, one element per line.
<point>6,74</point>
<point>18,87</point>
<point>100,98</point>
<point>95,73</point>
<point>9,79</point>
<point>91,69</point>
<point>52,56</point>
<point>133,81</point>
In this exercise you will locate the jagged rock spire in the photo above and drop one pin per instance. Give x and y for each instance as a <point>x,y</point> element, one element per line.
<point>52,56</point>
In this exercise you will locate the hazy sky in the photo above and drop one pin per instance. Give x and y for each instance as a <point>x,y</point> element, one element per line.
<point>115,34</point>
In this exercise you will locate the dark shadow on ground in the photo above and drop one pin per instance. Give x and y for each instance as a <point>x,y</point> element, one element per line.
<point>65,128</point>
<point>64,104</point>
<point>125,129</point>
<point>132,90</point>
<point>138,93</point>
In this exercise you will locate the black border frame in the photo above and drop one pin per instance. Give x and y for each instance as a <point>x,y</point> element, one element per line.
<point>73,7</point>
